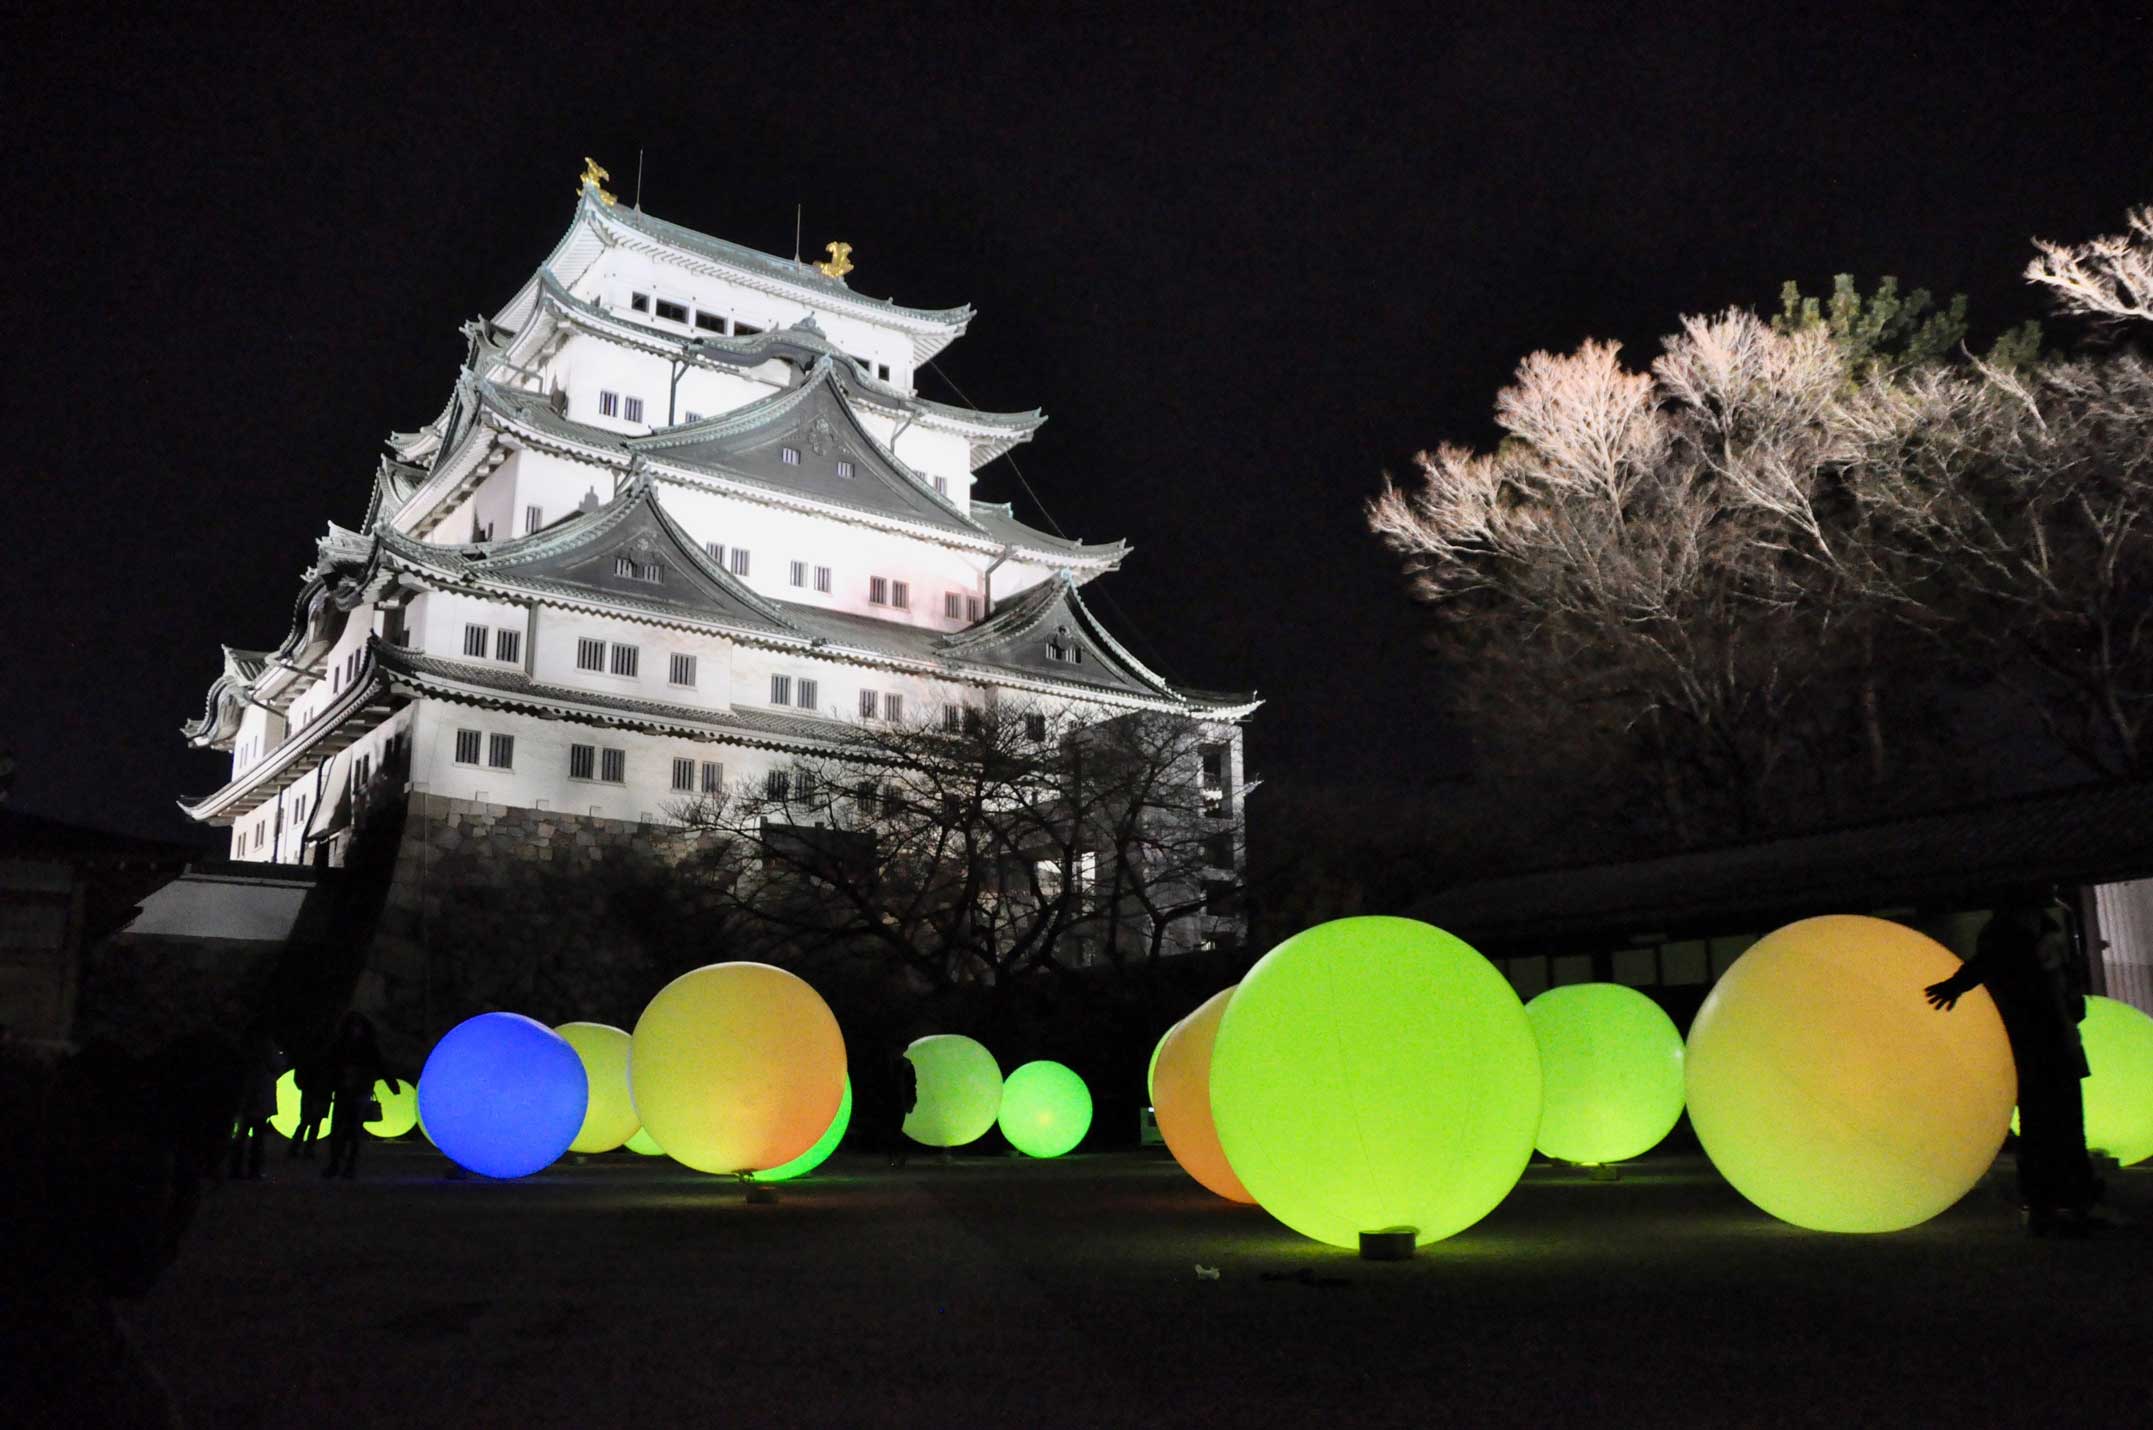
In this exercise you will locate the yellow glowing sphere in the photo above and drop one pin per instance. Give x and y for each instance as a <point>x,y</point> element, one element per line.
<point>286,1118</point>
<point>399,1110</point>
<point>959,1094</point>
<point>1373,1074</point>
<point>736,1067</point>
<point>1181,1099</point>
<point>610,1120</point>
<point>1829,1093</point>
<point>643,1144</point>
<point>1611,1072</point>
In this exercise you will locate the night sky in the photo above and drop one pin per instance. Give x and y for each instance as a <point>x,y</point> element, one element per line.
<point>1245,267</point>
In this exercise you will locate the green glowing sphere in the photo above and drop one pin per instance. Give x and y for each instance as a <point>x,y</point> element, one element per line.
<point>1610,1069</point>
<point>736,1067</point>
<point>1181,1099</point>
<point>645,1145</point>
<point>399,1110</point>
<point>960,1091</point>
<point>818,1154</point>
<point>1829,1093</point>
<point>286,1118</point>
<point>610,1119</point>
<point>2119,1094</point>
<point>1372,1073</point>
<point>1046,1109</point>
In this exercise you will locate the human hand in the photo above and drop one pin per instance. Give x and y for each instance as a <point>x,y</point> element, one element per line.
<point>1941,996</point>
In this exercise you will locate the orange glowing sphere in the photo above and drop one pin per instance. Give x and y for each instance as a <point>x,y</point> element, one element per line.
<point>1181,1099</point>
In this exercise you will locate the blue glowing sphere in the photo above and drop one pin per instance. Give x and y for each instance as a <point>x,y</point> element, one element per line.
<point>503,1095</point>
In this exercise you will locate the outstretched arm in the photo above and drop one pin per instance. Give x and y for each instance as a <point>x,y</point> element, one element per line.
<point>1944,996</point>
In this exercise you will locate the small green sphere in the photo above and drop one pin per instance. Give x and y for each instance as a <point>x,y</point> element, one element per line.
<point>1611,1071</point>
<point>399,1110</point>
<point>1373,1073</point>
<point>960,1091</point>
<point>2119,1094</point>
<point>818,1154</point>
<point>1046,1109</point>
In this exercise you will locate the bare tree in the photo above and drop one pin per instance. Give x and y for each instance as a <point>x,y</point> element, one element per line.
<point>2110,277</point>
<point>1021,840</point>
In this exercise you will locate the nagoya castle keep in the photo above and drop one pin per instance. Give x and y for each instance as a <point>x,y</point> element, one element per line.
<point>683,522</point>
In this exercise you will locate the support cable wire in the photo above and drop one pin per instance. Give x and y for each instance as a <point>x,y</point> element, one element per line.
<point>1151,657</point>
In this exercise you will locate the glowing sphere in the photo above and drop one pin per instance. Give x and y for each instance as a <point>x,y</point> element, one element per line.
<point>643,1144</point>
<point>2119,1094</point>
<point>399,1110</point>
<point>1610,1069</point>
<point>1151,1073</point>
<point>737,1067</point>
<point>818,1154</point>
<point>502,1094</point>
<point>1181,1099</point>
<point>960,1091</point>
<point>1829,1093</point>
<point>286,1118</point>
<point>1046,1109</point>
<point>1372,1073</point>
<point>610,1119</point>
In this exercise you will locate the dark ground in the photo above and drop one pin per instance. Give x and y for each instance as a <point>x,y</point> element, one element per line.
<point>1001,1292</point>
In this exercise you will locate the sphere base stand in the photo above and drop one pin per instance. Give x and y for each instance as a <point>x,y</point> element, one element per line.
<point>1392,1243</point>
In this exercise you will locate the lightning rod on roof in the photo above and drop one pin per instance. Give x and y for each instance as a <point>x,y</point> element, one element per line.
<point>639,178</point>
<point>796,231</point>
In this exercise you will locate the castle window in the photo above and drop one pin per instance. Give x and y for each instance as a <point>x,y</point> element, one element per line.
<point>467,743</point>
<point>844,466</point>
<point>1035,726</point>
<point>781,690</point>
<point>777,784</point>
<point>590,654</point>
<point>744,330</point>
<point>901,595</point>
<point>893,706</point>
<point>882,370</point>
<point>822,579</point>
<point>952,606</point>
<point>805,697</point>
<point>582,761</point>
<point>716,550</point>
<point>740,561</point>
<point>501,752</point>
<point>941,486</point>
<point>878,590</point>
<point>474,641</point>
<point>653,573</point>
<point>971,608</point>
<point>634,411</point>
<point>508,645</point>
<point>691,417</point>
<point>683,671</point>
<point>799,573</point>
<point>952,719</point>
<point>684,775</point>
<point>789,455</point>
<point>672,312</point>
<point>868,705</point>
<point>613,766</point>
<point>713,777</point>
<point>609,404</point>
<point>710,322</point>
<point>625,659</point>
<point>622,566</point>
<point>533,518</point>
<point>639,302</point>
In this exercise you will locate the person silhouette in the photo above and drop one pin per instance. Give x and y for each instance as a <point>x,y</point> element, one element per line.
<point>313,1077</point>
<point>258,1103</point>
<point>2020,960</point>
<point>353,1067</point>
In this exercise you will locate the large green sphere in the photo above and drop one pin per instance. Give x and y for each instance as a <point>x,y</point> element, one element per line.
<point>1610,1070</point>
<point>818,1154</point>
<point>2119,1094</point>
<point>1373,1073</point>
<point>960,1091</point>
<point>399,1110</point>
<point>286,1118</point>
<point>1046,1109</point>
<point>1830,1094</point>
<point>610,1119</point>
